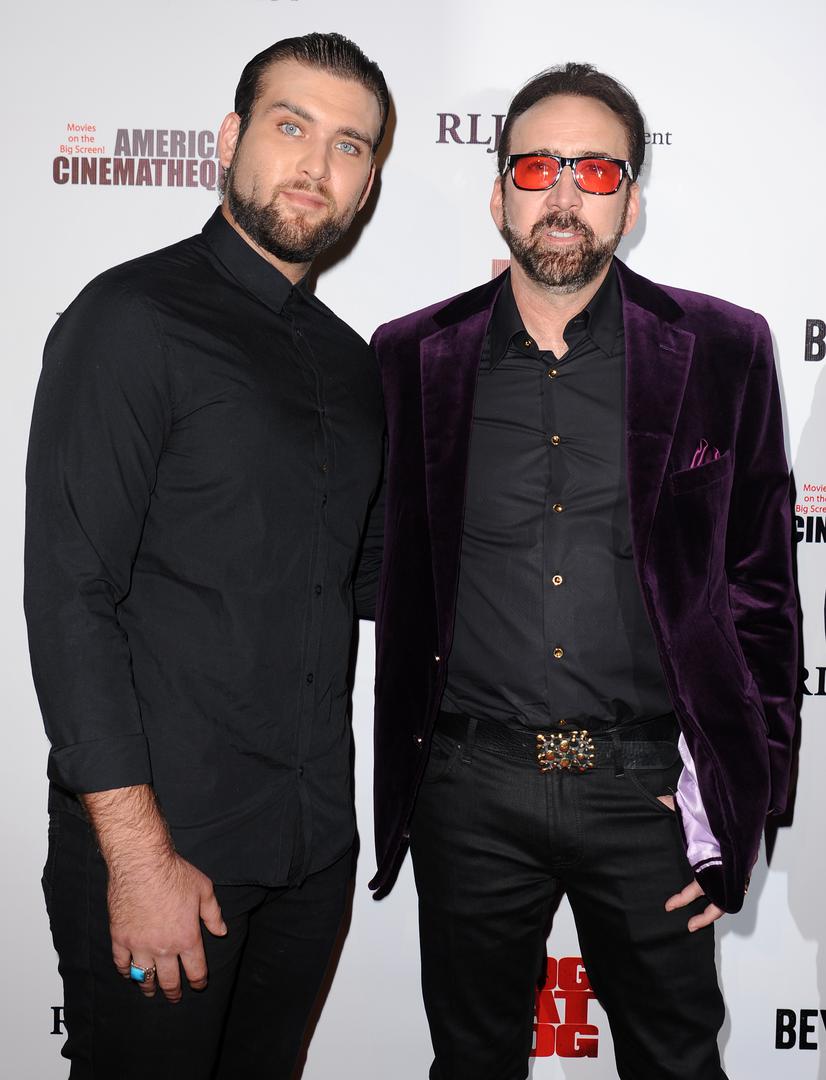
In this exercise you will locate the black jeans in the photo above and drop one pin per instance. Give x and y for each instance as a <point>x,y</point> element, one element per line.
<point>263,976</point>
<point>494,841</point>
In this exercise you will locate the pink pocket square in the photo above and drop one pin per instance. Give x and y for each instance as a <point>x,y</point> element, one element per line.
<point>704,453</point>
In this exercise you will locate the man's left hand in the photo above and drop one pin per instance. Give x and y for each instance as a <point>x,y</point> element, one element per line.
<point>686,896</point>
<point>690,893</point>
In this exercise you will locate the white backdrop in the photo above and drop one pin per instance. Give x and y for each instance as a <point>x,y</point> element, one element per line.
<point>722,83</point>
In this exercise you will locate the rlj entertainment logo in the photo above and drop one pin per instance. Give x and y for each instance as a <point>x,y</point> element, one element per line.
<point>815,340</point>
<point>814,682</point>
<point>561,1026</point>
<point>485,129</point>
<point>141,157</point>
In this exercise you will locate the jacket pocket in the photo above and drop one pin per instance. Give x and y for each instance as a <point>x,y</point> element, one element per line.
<point>711,473</point>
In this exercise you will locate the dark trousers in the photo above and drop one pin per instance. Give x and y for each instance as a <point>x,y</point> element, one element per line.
<point>263,976</point>
<point>494,841</point>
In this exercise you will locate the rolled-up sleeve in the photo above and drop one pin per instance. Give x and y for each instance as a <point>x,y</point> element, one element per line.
<point>102,414</point>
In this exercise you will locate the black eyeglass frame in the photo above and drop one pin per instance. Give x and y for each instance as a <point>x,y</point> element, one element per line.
<point>573,162</point>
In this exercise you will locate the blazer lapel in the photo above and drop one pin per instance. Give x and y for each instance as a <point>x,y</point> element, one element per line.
<point>658,358</point>
<point>449,363</point>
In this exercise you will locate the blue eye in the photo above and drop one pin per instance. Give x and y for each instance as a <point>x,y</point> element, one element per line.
<point>349,148</point>
<point>289,128</point>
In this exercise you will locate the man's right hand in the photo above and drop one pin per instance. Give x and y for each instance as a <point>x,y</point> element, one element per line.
<point>157,900</point>
<point>155,916</point>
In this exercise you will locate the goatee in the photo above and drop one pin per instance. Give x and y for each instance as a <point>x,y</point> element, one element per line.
<point>565,269</point>
<point>293,239</point>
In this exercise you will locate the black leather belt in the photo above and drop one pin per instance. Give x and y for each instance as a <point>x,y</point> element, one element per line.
<point>649,744</point>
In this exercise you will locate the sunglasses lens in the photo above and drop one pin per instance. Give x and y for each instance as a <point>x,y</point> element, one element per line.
<point>535,173</point>
<point>598,176</point>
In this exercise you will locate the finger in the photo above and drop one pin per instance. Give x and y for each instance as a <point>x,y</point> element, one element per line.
<point>211,915</point>
<point>122,959</point>
<point>684,897</point>
<point>705,918</point>
<point>195,966</point>
<point>147,987</point>
<point>168,978</point>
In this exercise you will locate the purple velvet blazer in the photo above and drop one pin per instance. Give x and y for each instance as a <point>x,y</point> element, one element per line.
<point>711,546</point>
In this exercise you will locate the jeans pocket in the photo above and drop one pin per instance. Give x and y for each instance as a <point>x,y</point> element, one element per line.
<point>651,783</point>
<point>444,753</point>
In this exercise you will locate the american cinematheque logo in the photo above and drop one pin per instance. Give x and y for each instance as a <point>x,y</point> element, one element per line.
<point>485,129</point>
<point>137,157</point>
<point>810,502</point>
<point>561,1027</point>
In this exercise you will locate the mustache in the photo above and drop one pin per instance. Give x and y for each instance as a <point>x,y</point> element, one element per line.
<point>563,221</point>
<point>310,188</point>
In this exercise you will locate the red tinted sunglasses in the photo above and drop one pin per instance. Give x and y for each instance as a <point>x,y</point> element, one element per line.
<point>593,175</point>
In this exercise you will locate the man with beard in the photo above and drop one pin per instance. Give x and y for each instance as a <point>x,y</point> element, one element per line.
<point>207,438</point>
<point>586,619</point>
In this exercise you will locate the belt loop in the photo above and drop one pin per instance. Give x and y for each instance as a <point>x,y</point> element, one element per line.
<point>619,762</point>
<point>470,739</point>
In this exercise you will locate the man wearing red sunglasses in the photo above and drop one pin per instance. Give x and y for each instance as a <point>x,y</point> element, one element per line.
<point>586,621</point>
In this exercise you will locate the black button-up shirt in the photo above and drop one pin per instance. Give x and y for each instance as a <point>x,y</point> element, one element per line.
<point>550,626</point>
<point>205,443</point>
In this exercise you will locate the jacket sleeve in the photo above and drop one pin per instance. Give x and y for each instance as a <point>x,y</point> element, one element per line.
<point>101,416</point>
<point>762,592</point>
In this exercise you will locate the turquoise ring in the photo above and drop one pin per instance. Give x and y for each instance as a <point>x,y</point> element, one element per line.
<point>141,975</point>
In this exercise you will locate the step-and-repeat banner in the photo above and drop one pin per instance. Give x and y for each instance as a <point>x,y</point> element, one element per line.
<point>111,114</point>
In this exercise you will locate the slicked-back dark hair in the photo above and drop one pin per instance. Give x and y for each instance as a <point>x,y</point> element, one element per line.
<point>579,80</point>
<point>330,52</point>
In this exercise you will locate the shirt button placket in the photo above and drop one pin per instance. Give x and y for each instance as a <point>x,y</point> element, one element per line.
<point>556,580</point>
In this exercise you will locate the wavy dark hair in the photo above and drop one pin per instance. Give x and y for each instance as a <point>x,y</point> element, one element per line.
<point>330,52</point>
<point>579,80</point>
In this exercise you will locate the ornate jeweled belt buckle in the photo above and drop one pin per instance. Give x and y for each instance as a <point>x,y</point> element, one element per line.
<point>572,751</point>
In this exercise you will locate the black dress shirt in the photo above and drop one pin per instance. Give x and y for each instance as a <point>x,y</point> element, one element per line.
<point>205,443</point>
<point>550,627</point>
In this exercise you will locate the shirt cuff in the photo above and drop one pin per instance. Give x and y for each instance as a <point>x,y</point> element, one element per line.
<point>702,846</point>
<point>102,764</point>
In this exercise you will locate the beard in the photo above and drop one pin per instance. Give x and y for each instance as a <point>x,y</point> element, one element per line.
<point>291,239</point>
<point>569,269</point>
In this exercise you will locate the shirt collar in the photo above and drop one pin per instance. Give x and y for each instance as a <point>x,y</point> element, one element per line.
<point>601,316</point>
<point>604,312</point>
<point>252,270</point>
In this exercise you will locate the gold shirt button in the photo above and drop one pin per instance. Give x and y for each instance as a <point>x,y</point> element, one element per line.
<point>527,343</point>
<point>555,440</point>
<point>558,508</point>
<point>558,653</point>
<point>552,374</point>
<point>557,579</point>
